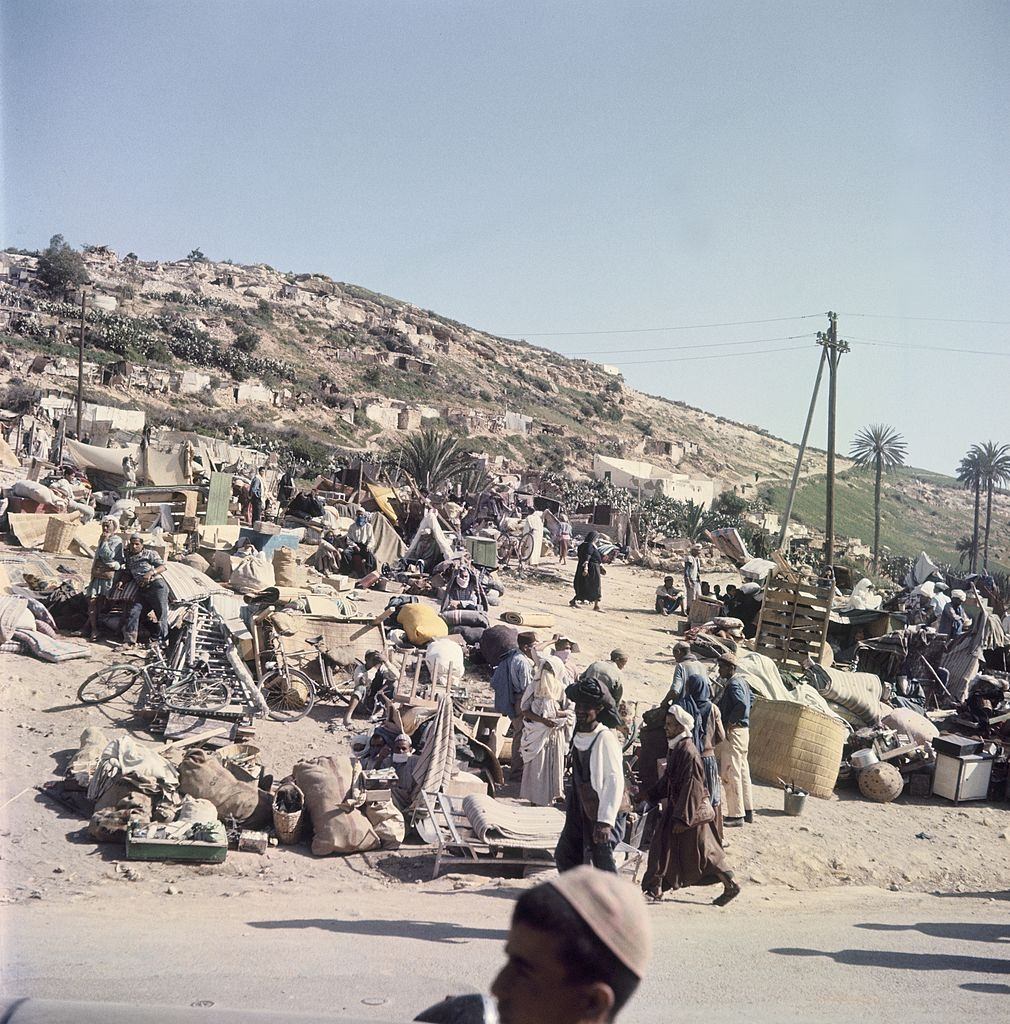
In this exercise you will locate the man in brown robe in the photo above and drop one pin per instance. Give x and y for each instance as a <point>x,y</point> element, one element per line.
<point>684,850</point>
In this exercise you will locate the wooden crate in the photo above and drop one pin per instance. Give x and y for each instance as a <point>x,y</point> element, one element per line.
<point>793,624</point>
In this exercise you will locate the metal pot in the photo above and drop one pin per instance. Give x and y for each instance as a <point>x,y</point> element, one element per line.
<point>864,758</point>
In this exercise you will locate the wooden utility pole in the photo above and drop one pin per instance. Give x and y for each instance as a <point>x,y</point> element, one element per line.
<point>787,514</point>
<point>835,349</point>
<point>80,366</point>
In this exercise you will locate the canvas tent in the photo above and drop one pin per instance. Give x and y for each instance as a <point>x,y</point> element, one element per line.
<point>430,543</point>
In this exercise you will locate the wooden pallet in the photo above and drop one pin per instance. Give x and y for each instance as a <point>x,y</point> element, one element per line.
<point>793,624</point>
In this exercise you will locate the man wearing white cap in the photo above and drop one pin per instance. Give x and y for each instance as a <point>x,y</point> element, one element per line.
<point>954,620</point>
<point>577,949</point>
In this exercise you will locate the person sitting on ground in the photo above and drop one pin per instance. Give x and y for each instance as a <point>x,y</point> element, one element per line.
<point>730,600</point>
<point>954,620</point>
<point>717,593</point>
<point>608,674</point>
<point>669,600</point>
<point>684,850</point>
<point>577,948</point>
<point>596,804</point>
<point>359,553</point>
<point>146,568</point>
<point>65,488</point>
<point>463,591</point>
<point>370,679</point>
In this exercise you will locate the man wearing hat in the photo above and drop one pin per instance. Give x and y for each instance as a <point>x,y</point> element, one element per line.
<point>734,707</point>
<point>577,948</point>
<point>608,674</point>
<point>596,805</point>
<point>509,681</point>
<point>954,620</point>
<point>692,576</point>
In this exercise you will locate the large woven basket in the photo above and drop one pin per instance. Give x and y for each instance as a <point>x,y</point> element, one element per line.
<point>794,744</point>
<point>288,824</point>
<point>59,534</point>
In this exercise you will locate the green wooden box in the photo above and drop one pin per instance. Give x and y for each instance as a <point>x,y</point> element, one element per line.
<point>483,551</point>
<point>142,843</point>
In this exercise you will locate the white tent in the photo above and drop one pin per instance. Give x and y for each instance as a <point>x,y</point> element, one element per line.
<point>430,542</point>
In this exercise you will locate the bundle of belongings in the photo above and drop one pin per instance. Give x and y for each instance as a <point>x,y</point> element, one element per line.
<point>26,626</point>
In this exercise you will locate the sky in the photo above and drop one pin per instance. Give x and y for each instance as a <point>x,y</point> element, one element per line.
<point>587,176</point>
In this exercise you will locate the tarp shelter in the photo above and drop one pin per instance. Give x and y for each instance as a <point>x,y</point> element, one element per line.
<point>921,571</point>
<point>430,544</point>
<point>389,546</point>
<point>158,468</point>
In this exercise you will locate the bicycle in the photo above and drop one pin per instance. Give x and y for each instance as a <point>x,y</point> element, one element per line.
<point>288,693</point>
<point>183,690</point>
<point>512,546</point>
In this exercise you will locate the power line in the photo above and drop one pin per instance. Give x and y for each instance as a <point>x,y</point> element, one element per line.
<point>877,343</point>
<point>679,348</point>
<point>655,330</point>
<point>719,355</point>
<point>928,319</point>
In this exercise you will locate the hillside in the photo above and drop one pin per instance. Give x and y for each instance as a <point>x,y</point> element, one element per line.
<point>344,366</point>
<point>918,511</point>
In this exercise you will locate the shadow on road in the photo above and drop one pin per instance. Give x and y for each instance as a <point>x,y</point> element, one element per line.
<point>905,961</point>
<point>970,931</point>
<point>430,931</point>
<point>987,988</point>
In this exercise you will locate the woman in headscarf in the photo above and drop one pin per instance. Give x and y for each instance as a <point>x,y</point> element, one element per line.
<point>684,850</point>
<point>548,721</point>
<point>108,558</point>
<point>588,572</point>
<point>706,733</point>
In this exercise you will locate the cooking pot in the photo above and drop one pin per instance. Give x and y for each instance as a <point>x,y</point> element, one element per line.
<point>864,758</point>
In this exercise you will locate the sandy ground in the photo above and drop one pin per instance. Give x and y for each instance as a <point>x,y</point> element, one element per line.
<point>911,845</point>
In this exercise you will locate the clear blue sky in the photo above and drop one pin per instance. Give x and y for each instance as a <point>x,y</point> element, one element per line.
<point>534,167</point>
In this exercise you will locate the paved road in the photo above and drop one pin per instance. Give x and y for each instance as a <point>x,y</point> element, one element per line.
<point>828,956</point>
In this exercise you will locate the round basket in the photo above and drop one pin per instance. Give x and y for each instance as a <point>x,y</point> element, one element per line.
<point>881,782</point>
<point>288,824</point>
<point>59,534</point>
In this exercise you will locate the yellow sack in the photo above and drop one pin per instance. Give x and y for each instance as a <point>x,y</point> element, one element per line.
<point>421,623</point>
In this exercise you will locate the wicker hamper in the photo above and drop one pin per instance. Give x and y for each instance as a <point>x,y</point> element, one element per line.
<point>59,534</point>
<point>795,744</point>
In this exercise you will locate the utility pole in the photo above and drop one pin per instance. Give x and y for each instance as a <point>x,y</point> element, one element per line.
<point>835,349</point>
<point>80,365</point>
<point>787,514</point>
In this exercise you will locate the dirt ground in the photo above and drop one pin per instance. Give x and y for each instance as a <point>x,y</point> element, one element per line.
<point>910,845</point>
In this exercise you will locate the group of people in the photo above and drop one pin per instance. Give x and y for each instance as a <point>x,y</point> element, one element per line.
<point>141,564</point>
<point>930,605</point>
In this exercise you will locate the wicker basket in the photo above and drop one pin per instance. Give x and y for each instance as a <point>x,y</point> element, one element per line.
<point>794,744</point>
<point>59,534</point>
<point>288,824</point>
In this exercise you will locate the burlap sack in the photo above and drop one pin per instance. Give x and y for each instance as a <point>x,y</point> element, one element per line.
<point>287,571</point>
<point>203,776</point>
<point>195,561</point>
<point>83,764</point>
<point>337,825</point>
<point>388,823</point>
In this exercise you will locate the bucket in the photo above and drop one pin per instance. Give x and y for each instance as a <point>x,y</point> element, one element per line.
<point>795,801</point>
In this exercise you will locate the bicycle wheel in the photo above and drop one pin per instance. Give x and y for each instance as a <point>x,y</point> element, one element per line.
<point>289,695</point>
<point>506,548</point>
<point>108,683</point>
<point>197,695</point>
<point>526,548</point>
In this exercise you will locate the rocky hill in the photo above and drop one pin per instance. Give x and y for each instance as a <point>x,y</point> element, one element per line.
<point>341,365</point>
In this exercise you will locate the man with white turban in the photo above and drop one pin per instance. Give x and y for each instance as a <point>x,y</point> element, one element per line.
<point>684,850</point>
<point>954,620</point>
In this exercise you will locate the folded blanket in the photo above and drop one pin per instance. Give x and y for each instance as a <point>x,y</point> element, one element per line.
<point>49,648</point>
<point>501,824</point>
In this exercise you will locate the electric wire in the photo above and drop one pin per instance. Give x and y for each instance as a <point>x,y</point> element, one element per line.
<point>655,330</point>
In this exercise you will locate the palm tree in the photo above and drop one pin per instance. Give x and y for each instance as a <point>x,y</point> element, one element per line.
<point>881,447</point>
<point>432,458</point>
<point>964,546</point>
<point>696,520</point>
<point>994,469</point>
<point>969,476</point>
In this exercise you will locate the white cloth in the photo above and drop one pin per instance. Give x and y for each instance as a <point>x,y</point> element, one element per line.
<point>361,535</point>
<point>606,770</point>
<point>444,657</point>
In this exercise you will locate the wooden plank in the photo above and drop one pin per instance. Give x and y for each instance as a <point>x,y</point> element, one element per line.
<point>218,500</point>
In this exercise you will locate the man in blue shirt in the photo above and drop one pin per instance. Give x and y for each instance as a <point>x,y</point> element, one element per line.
<point>954,619</point>
<point>146,568</point>
<point>256,495</point>
<point>509,681</point>
<point>734,707</point>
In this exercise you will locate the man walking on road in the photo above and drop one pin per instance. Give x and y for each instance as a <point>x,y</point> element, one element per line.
<point>734,707</point>
<point>509,681</point>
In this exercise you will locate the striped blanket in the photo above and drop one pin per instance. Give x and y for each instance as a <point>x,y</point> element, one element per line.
<point>500,824</point>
